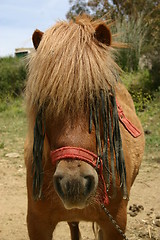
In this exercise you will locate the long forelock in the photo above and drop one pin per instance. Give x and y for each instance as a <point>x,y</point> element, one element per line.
<point>69,68</point>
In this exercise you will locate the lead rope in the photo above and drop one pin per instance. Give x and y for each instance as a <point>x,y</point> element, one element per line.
<point>114,222</point>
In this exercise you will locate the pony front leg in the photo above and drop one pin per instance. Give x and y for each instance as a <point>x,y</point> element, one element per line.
<point>108,228</point>
<point>74,229</point>
<point>110,233</point>
<point>39,228</point>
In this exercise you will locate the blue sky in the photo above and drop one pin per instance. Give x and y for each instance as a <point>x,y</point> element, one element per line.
<point>19,19</point>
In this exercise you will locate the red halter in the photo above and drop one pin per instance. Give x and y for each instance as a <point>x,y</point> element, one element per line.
<point>83,155</point>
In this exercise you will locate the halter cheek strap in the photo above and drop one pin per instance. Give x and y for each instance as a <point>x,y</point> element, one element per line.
<point>131,128</point>
<point>74,153</point>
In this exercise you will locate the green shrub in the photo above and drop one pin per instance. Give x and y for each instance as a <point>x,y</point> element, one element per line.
<point>138,80</point>
<point>132,32</point>
<point>1,145</point>
<point>141,100</point>
<point>138,84</point>
<point>12,76</point>
<point>155,70</point>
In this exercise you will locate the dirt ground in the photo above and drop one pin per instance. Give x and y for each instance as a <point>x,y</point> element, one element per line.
<point>143,210</point>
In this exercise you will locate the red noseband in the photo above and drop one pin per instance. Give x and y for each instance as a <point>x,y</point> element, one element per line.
<point>74,153</point>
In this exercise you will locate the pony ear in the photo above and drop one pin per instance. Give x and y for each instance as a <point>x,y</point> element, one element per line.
<point>36,38</point>
<point>103,34</point>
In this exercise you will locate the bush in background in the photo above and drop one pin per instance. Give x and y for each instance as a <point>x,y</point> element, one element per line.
<point>12,76</point>
<point>155,70</point>
<point>132,32</point>
<point>139,86</point>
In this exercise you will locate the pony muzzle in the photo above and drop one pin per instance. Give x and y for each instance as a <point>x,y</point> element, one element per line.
<point>75,183</point>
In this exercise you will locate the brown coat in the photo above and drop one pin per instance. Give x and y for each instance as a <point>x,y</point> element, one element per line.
<point>62,83</point>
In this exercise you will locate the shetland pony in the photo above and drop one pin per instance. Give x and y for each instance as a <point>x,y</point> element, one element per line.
<point>85,143</point>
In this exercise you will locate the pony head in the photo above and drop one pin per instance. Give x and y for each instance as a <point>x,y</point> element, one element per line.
<point>71,82</point>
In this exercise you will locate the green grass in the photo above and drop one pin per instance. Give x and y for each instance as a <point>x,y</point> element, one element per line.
<point>12,126</point>
<point>150,119</point>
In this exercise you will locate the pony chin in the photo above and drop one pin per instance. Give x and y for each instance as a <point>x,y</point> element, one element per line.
<point>70,206</point>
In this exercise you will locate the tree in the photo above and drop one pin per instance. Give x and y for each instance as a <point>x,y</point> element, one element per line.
<point>96,8</point>
<point>77,7</point>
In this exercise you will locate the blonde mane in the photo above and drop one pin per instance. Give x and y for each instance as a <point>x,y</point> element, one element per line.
<point>69,68</point>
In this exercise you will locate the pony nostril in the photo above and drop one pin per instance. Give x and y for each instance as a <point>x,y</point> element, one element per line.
<point>89,184</point>
<point>57,184</point>
<point>74,188</point>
